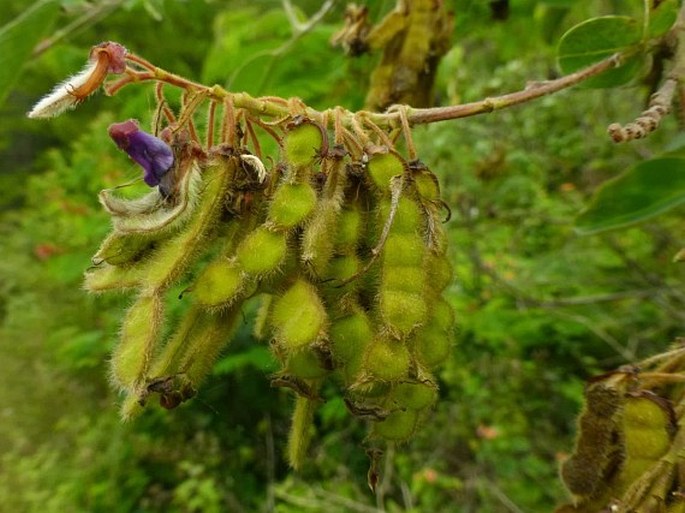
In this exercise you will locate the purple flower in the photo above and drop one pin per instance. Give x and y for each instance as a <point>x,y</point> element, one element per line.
<point>154,155</point>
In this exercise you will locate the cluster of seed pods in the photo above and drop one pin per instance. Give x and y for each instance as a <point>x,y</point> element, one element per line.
<point>343,244</point>
<point>630,449</point>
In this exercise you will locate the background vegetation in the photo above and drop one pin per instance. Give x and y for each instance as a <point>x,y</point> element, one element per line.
<point>540,308</point>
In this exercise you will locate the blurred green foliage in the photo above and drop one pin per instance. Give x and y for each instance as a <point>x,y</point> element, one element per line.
<point>540,309</point>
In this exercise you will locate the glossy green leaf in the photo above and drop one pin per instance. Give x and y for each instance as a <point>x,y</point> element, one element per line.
<point>650,188</point>
<point>597,39</point>
<point>662,17</point>
<point>19,37</point>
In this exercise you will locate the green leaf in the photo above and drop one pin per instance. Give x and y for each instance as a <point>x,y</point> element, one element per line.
<point>19,37</point>
<point>597,39</point>
<point>663,17</point>
<point>648,189</point>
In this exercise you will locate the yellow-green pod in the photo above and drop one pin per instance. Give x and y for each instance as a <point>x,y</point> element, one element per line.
<point>300,431</point>
<point>220,283</point>
<point>122,249</point>
<point>414,396</point>
<point>433,345</point>
<point>383,165</point>
<point>398,426</point>
<point>306,363</point>
<point>403,250</point>
<point>349,336</point>
<point>349,228</point>
<point>318,239</point>
<point>109,277</point>
<point>402,312</point>
<point>139,333</point>
<point>262,251</point>
<point>386,360</point>
<point>404,279</point>
<point>291,205</point>
<point>303,142</point>
<point>298,316</point>
<point>598,444</point>
<point>408,219</point>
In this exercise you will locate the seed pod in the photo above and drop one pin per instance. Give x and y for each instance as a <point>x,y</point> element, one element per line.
<point>220,283</point>
<point>174,255</point>
<point>139,333</point>
<point>349,336</point>
<point>398,426</point>
<point>124,207</point>
<point>427,185</point>
<point>408,216</point>
<point>306,363</point>
<point>402,312</point>
<point>300,431</point>
<point>262,251</point>
<point>303,142</point>
<point>383,165</point>
<point>440,272</point>
<point>318,238</point>
<point>598,445</point>
<point>122,249</point>
<point>298,316</point>
<point>292,203</point>
<point>648,424</point>
<point>414,396</point>
<point>404,279</point>
<point>386,360</point>
<point>403,250</point>
<point>349,228</point>
<point>108,277</point>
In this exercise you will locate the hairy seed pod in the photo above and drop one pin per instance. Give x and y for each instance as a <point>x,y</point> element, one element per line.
<point>386,360</point>
<point>171,257</point>
<point>383,165</point>
<point>106,277</point>
<point>300,431</point>
<point>427,185</point>
<point>318,239</point>
<point>403,250</point>
<point>122,249</point>
<point>398,426</point>
<point>305,363</point>
<point>292,203</point>
<point>349,228</point>
<point>220,283</point>
<point>402,312</point>
<point>349,337</point>
<point>648,425</point>
<point>404,279</point>
<point>298,316</point>
<point>139,333</point>
<point>303,142</point>
<point>262,251</point>
<point>125,207</point>
<point>414,396</point>
<point>408,216</point>
<point>440,272</point>
<point>598,446</point>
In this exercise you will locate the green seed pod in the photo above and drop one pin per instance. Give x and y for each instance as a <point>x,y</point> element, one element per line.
<point>432,345</point>
<point>298,316</point>
<point>139,333</point>
<point>303,142</point>
<point>398,426</point>
<point>349,337</point>
<point>342,267</point>
<point>404,279</point>
<point>220,283</point>
<point>442,314</point>
<point>172,257</point>
<point>403,250</point>
<point>427,184</point>
<point>597,445</point>
<point>386,360</point>
<point>305,363</point>
<point>318,237</point>
<point>300,431</point>
<point>262,251</point>
<point>120,249</point>
<point>414,396</point>
<point>383,165</point>
<point>408,215</point>
<point>440,272</point>
<point>124,207</point>
<point>292,203</point>
<point>401,311</point>
<point>108,277</point>
<point>349,229</point>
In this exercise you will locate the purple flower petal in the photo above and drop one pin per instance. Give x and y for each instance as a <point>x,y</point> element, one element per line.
<point>151,153</point>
